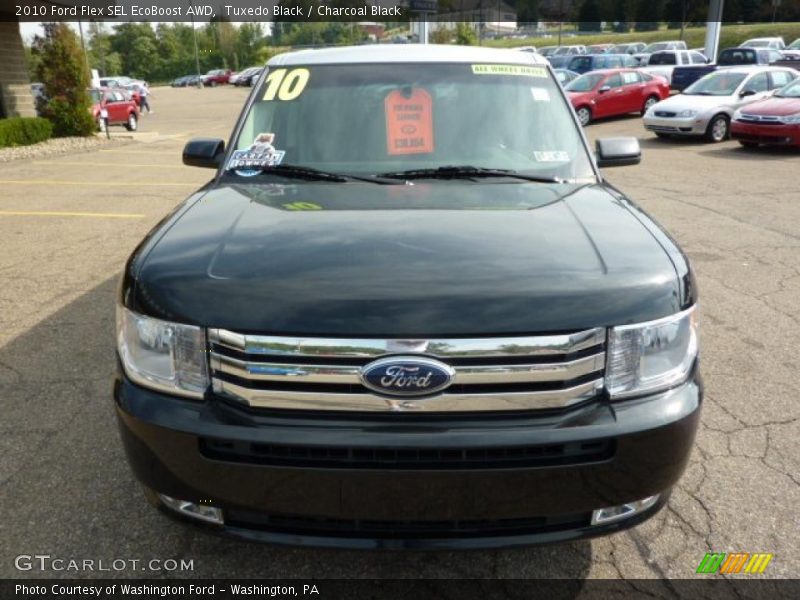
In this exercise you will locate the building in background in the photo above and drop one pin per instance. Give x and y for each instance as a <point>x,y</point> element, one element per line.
<point>16,99</point>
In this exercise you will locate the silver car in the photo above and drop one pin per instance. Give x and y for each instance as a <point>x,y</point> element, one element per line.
<point>706,107</point>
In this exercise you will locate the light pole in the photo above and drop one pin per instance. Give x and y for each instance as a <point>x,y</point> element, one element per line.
<point>194,35</point>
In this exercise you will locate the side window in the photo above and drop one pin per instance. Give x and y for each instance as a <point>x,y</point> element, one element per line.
<point>684,58</point>
<point>779,79</point>
<point>775,55</point>
<point>698,59</point>
<point>758,83</point>
<point>613,81</point>
<point>630,78</point>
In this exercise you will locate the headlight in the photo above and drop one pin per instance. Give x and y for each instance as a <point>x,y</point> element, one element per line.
<point>170,357</point>
<point>791,119</point>
<point>685,114</point>
<point>653,356</point>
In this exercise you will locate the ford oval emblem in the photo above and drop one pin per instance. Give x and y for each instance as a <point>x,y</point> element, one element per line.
<point>407,376</point>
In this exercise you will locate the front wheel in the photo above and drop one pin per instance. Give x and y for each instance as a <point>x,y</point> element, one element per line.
<point>132,123</point>
<point>663,136</point>
<point>748,144</point>
<point>584,115</point>
<point>717,129</point>
<point>649,103</point>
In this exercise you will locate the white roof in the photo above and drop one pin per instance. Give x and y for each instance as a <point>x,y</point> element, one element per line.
<point>407,53</point>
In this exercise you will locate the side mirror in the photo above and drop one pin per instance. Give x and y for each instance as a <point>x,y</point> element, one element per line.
<point>618,152</point>
<point>204,152</point>
<point>745,93</point>
<point>604,89</point>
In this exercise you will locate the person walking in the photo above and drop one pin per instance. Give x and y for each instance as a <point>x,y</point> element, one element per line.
<point>144,95</point>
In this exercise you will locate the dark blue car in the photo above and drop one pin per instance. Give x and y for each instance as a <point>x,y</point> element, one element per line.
<point>591,62</point>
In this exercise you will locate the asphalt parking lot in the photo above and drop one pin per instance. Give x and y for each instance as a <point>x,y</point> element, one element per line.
<point>68,223</point>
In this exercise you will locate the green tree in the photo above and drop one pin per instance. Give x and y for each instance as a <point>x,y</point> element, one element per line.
<point>62,69</point>
<point>465,34</point>
<point>101,56</point>
<point>137,45</point>
<point>441,35</point>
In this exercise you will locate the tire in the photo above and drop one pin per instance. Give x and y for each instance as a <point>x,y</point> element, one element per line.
<point>748,144</point>
<point>718,129</point>
<point>663,136</point>
<point>133,123</point>
<point>584,115</point>
<point>651,100</point>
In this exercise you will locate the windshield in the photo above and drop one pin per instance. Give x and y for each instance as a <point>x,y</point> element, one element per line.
<point>756,44</point>
<point>737,57</point>
<point>795,45</point>
<point>720,83</point>
<point>96,96</point>
<point>585,83</point>
<point>655,47</point>
<point>368,119</point>
<point>789,91</point>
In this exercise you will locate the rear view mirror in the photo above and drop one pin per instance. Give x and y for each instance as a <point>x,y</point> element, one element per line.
<point>745,93</point>
<point>618,152</point>
<point>204,152</point>
<point>604,89</point>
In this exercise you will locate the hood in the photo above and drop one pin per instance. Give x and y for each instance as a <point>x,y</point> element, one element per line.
<point>450,258</point>
<point>775,107</point>
<point>688,102</point>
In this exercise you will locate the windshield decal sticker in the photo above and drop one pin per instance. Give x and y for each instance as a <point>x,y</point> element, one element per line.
<point>540,94</point>
<point>409,122</point>
<point>551,156</point>
<point>261,154</point>
<point>518,70</point>
<point>285,85</point>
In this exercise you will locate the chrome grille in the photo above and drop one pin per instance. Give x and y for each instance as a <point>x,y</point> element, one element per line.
<point>491,374</point>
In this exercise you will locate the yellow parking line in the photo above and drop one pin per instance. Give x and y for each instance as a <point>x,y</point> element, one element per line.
<point>96,164</point>
<point>49,213</point>
<point>95,183</point>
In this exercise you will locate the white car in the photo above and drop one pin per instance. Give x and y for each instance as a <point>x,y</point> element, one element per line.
<point>706,107</point>
<point>776,43</point>
<point>661,64</point>
<point>645,53</point>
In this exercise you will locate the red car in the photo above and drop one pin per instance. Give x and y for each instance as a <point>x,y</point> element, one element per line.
<point>217,76</point>
<point>774,121</point>
<point>116,106</point>
<point>610,92</point>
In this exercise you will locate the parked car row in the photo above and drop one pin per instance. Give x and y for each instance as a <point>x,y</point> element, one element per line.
<point>707,107</point>
<point>215,77</point>
<point>754,104</point>
<point>664,54</point>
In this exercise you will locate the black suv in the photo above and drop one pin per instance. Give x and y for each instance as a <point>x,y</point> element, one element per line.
<point>408,312</point>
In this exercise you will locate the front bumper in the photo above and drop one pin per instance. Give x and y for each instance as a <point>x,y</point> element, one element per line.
<point>676,126</point>
<point>777,135</point>
<point>410,482</point>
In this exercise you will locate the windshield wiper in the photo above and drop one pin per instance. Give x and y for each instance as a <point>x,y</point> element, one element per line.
<point>465,172</point>
<point>312,174</point>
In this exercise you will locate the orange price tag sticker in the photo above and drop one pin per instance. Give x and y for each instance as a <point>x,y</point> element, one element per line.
<point>409,122</point>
